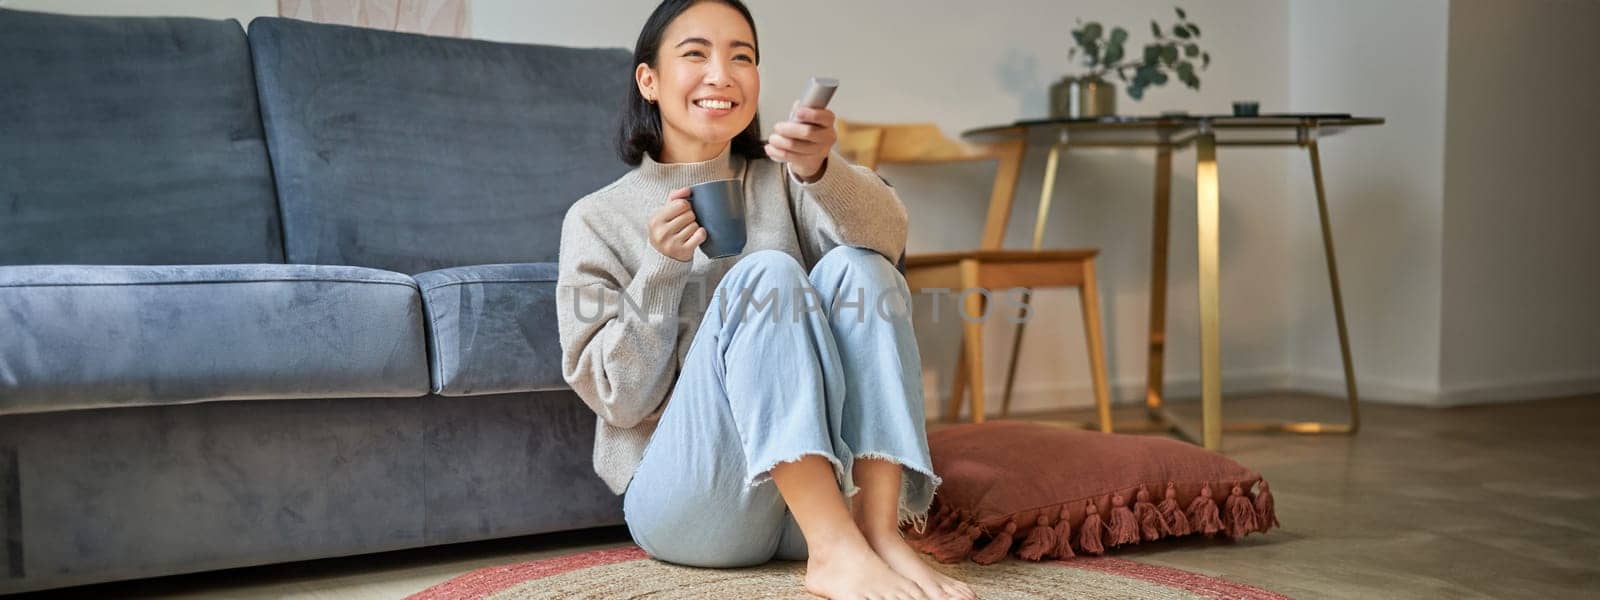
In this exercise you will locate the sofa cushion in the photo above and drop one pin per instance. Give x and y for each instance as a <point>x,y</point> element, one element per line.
<point>492,329</point>
<point>86,336</point>
<point>131,140</point>
<point>410,153</point>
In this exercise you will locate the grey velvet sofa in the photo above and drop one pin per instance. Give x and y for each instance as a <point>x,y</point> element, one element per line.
<point>285,294</point>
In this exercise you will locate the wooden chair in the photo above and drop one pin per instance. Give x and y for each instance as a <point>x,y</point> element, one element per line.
<point>989,266</point>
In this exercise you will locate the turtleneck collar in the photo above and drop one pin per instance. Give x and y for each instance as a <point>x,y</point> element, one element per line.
<point>676,175</point>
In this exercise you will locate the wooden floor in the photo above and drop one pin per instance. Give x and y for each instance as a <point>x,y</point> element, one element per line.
<point>1497,501</point>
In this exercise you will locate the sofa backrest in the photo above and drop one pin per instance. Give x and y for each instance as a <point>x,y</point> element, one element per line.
<point>408,152</point>
<point>131,140</point>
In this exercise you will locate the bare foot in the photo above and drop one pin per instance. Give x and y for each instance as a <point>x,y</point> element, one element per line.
<point>850,570</point>
<point>908,562</point>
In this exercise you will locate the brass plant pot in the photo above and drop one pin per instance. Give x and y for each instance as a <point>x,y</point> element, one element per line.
<point>1078,98</point>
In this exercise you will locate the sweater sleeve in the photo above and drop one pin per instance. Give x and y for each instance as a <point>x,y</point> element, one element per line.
<point>618,340</point>
<point>848,206</point>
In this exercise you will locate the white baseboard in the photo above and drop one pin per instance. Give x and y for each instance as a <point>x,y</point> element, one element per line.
<point>1492,392</point>
<point>1370,389</point>
<point>1533,388</point>
<point>1128,390</point>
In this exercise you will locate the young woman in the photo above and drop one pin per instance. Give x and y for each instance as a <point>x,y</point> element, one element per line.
<point>800,368</point>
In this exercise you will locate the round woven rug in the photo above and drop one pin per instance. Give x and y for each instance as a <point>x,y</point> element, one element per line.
<point>627,572</point>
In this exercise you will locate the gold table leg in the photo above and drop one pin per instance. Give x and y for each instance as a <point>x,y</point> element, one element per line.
<point>1158,284</point>
<point>1338,309</point>
<point>1206,217</point>
<point>1211,407</point>
<point>1046,192</point>
<point>1159,418</point>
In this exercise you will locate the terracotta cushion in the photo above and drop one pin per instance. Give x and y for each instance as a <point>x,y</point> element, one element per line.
<point>1039,491</point>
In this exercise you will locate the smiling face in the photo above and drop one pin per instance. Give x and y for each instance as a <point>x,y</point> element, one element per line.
<point>705,81</point>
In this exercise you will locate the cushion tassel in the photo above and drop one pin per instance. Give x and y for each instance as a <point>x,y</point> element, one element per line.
<point>1241,515</point>
<point>1041,540</point>
<point>998,548</point>
<point>1173,521</point>
<point>1148,517</point>
<point>950,528</point>
<point>1089,533</point>
<point>959,547</point>
<point>1063,531</point>
<point>1203,513</point>
<point>1124,528</point>
<point>941,519</point>
<point>1266,512</point>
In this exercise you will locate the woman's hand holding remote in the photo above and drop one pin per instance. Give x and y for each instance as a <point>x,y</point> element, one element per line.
<point>804,141</point>
<point>673,230</point>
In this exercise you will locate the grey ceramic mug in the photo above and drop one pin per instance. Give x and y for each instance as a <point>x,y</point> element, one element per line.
<point>719,207</point>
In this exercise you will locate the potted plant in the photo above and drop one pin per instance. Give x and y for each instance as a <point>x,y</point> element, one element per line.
<point>1173,54</point>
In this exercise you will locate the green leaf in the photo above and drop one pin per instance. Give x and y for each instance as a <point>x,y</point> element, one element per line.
<point>1169,54</point>
<point>1119,35</point>
<point>1186,74</point>
<point>1152,54</point>
<point>1180,13</point>
<point>1136,92</point>
<point>1194,29</point>
<point>1113,52</point>
<point>1191,50</point>
<point>1122,74</point>
<point>1092,52</point>
<point>1144,75</point>
<point>1155,29</point>
<point>1159,78</point>
<point>1181,32</point>
<point>1092,30</point>
<point>1205,59</point>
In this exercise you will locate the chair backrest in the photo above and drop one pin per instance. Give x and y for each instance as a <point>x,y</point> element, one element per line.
<point>874,144</point>
<point>131,141</point>
<point>410,152</point>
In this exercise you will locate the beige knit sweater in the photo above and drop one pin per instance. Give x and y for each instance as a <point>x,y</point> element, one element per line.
<point>624,364</point>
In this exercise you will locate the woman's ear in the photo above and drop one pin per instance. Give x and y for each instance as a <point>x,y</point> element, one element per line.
<point>645,77</point>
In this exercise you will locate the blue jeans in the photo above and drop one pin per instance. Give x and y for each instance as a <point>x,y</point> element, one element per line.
<point>784,365</point>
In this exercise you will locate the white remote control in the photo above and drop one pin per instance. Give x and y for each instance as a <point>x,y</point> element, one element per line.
<point>819,90</point>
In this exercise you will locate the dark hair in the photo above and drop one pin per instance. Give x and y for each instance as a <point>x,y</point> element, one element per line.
<point>639,130</point>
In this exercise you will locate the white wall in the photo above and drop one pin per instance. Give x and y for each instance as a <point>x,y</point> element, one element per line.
<point>1521,308</point>
<point>1465,232</point>
<point>1385,194</point>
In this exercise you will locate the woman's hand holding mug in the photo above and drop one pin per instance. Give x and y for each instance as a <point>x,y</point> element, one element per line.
<point>673,230</point>
<point>803,142</point>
